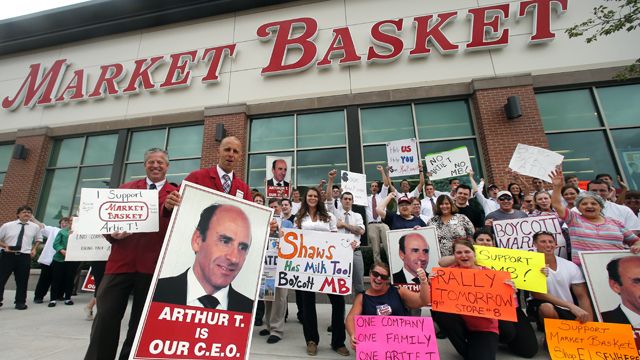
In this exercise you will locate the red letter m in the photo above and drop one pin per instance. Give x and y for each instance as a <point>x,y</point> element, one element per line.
<point>36,87</point>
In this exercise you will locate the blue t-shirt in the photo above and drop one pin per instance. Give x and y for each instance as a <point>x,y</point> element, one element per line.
<point>395,221</point>
<point>389,304</point>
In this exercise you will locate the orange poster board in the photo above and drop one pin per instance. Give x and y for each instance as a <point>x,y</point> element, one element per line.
<point>568,339</point>
<point>480,293</point>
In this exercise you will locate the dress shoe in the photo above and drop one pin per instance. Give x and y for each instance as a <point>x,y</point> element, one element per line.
<point>273,339</point>
<point>342,350</point>
<point>21,306</point>
<point>37,301</point>
<point>68,302</point>
<point>51,304</point>
<point>312,348</point>
<point>264,332</point>
<point>329,328</point>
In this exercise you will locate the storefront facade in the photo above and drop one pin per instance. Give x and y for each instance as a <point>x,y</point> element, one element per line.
<point>326,82</point>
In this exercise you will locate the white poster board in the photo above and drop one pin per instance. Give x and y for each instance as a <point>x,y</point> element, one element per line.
<point>534,161</point>
<point>447,164</point>
<point>396,263</point>
<point>269,271</point>
<point>402,158</point>
<point>518,233</point>
<point>315,261</point>
<point>104,211</point>
<point>356,184</point>
<point>86,247</point>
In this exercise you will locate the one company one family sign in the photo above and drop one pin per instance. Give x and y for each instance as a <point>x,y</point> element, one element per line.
<point>488,26</point>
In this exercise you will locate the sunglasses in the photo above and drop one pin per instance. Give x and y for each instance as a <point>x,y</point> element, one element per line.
<point>504,198</point>
<point>378,275</point>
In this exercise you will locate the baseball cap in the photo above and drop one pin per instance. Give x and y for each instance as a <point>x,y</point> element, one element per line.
<point>404,199</point>
<point>492,186</point>
<point>504,192</point>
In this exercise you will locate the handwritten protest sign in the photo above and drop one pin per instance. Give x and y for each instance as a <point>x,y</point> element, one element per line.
<point>395,337</point>
<point>448,164</point>
<point>86,247</point>
<point>518,233</point>
<point>278,179</point>
<point>269,271</point>
<point>89,283</point>
<point>103,211</point>
<point>402,158</point>
<point>524,266</point>
<point>315,261</point>
<point>480,293</point>
<point>592,340</point>
<point>534,161</point>
<point>356,184</point>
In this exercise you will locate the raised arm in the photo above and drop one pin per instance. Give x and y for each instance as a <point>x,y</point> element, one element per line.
<point>385,178</point>
<point>557,179</point>
<point>382,207</point>
<point>474,185</point>
<point>421,183</point>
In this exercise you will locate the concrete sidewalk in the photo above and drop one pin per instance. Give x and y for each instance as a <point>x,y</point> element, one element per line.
<point>62,333</point>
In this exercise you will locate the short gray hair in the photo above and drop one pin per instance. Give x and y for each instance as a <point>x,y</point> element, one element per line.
<point>590,195</point>
<point>156,150</point>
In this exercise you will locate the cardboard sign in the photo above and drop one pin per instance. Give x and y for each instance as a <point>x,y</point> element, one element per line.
<point>229,254</point>
<point>269,271</point>
<point>402,158</point>
<point>524,266</point>
<point>89,283</point>
<point>448,164</point>
<point>395,337</point>
<point>104,211</point>
<point>534,161</point>
<point>480,293</point>
<point>278,179</point>
<point>418,238</point>
<point>86,247</point>
<point>518,233</point>
<point>568,339</point>
<point>315,261</point>
<point>356,184</point>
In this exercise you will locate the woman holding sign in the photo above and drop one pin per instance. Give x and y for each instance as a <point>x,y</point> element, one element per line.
<point>313,215</point>
<point>386,300</point>
<point>473,337</point>
<point>449,224</point>
<point>590,229</point>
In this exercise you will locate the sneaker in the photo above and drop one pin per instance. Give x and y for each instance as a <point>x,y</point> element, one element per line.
<point>88,313</point>
<point>342,350</point>
<point>312,348</point>
<point>264,332</point>
<point>68,302</point>
<point>52,303</point>
<point>273,339</point>
<point>37,300</point>
<point>21,306</point>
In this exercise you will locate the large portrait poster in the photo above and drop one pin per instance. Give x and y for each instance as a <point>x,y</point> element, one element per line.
<point>202,296</point>
<point>405,263</point>
<point>278,179</point>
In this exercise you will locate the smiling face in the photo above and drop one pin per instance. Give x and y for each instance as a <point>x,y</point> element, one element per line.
<point>229,153</point>
<point>464,256</point>
<point>590,208</point>
<point>545,244</point>
<point>570,195</point>
<point>279,170</point>
<point>506,203</point>
<point>377,283</point>
<point>445,206</point>
<point>415,207</point>
<point>220,255</point>
<point>156,166</point>
<point>416,253</point>
<point>629,287</point>
<point>600,189</point>
<point>543,201</point>
<point>312,198</point>
<point>462,196</point>
<point>404,186</point>
<point>404,208</point>
<point>484,240</point>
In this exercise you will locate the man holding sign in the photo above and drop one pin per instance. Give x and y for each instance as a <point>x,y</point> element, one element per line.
<point>130,267</point>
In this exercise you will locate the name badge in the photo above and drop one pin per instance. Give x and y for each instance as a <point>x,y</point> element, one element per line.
<point>453,221</point>
<point>239,194</point>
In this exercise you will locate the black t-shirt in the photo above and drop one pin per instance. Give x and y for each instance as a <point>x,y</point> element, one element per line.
<point>474,212</point>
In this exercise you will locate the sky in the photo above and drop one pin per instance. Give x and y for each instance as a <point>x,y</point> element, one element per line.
<point>13,8</point>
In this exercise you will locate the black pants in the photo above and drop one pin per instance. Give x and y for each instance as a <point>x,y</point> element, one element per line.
<point>519,336</point>
<point>44,282</point>
<point>62,277</point>
<point>472,345</point>
<point>310,319</point>
<point>260,308</point>
<point>97,270</point>
<point>299,304</point>
<point>19,265</point>
<point>112,299</point>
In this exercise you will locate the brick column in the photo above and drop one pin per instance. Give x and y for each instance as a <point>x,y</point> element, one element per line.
<point>236,123</point>
<point>24,178</point>
<point>499,136</point>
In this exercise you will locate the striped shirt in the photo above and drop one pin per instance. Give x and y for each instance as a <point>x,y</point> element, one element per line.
<point>587,236</point>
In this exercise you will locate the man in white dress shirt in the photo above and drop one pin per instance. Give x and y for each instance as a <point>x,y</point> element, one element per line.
<point>376,229</point>
<point>613,210</point>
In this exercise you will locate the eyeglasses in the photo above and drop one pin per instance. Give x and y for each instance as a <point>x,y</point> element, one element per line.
<point>378,275</point>
<point>504,198</point>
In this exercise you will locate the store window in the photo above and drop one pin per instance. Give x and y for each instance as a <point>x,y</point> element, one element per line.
<point>596,129</point>
<point>184,145</point>
<point>316,143</point>
<point>5,156</point>
<point>437,126</point>
<point>75,163</point>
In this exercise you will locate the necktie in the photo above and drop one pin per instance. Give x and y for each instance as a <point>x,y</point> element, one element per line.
<point>346,218</point>
<point>226,186</point>
<point>18,246</point>
<point>153,186</point>
<point>433,206</point>
<point>335,203</point>
<point>416,280</point>
<point>279,184</point>
<point>209,301</point>
<point>374,205</point>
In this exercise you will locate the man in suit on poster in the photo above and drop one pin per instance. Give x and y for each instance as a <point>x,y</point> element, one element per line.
<point>624,280</point>
<point>414,253</point>
<point>279,172</point>
<point>221,242</point>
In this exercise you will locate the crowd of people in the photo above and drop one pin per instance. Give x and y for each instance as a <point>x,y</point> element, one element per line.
<point>598,218</point>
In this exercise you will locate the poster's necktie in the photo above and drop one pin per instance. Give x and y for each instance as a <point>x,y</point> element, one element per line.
<point>279,184</point>
<point>416,280</point>
<point>209,301</point>
<point>226,185</point>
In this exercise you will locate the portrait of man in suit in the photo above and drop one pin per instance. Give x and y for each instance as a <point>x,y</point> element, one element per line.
<point>279,173</point>
<point>221,242</point>
<point>414,253</point>
<point>624,280</point>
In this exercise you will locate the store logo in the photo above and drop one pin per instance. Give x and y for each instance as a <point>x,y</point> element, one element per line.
<point>292,39</point>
